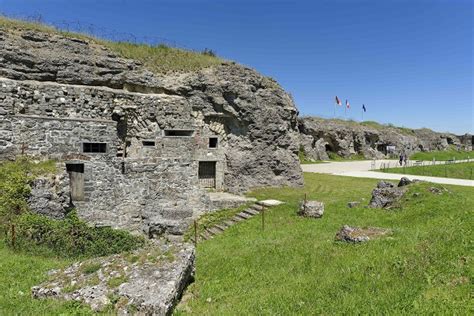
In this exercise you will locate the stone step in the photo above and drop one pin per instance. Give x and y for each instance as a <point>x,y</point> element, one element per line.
<point>251,211</point>
<point>213,231</point>
<point>205,235</point>
<point>237,219</point>
<point>257,207</point>
<point>220,227</point>
<point>202,237</point>
<point>244,215</point>
<point>229,223</point>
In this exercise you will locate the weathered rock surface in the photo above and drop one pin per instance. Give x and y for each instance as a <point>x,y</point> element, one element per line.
<point>50,196</point>
<point>347,138</point>
<point>404,181</point>
<point>314,209</point>
<point>386,195</point>
<point>147,281</point>
<point>359,234</point>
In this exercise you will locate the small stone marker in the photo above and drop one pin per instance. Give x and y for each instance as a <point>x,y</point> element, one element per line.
<point>313,209</point>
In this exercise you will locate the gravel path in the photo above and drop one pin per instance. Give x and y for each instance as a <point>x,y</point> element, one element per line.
<point>362,169</point>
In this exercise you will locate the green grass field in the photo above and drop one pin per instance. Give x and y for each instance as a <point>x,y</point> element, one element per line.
<point>18,273</point>
<point>443,155</point>
<point>463,170</point>
<point>296,267</point>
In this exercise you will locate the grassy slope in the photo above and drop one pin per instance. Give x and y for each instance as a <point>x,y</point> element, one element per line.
<point>458,170</point>
<point>442,155</point>
<point>159,59</point>
<point>19,272</point>
<point>295,267</point>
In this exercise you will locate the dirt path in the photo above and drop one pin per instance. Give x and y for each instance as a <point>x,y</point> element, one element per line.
<point>362,169</point>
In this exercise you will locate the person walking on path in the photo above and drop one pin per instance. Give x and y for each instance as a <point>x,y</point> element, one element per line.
<point>401,160</point>
<point>405,159</point>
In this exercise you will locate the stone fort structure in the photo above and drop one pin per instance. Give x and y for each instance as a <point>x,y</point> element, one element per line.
<point>137,150</point>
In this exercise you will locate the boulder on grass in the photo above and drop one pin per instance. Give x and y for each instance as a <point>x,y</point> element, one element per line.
<point>385,196</point>
<point>313,209</point>
<point>358,234</point>
<point>404,181</point>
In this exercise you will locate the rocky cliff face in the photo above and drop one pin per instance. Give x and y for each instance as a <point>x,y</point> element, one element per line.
<point>255,118</point>
<point>346,138</point>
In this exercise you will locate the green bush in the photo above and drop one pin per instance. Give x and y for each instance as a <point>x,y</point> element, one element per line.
<point>71,237</point>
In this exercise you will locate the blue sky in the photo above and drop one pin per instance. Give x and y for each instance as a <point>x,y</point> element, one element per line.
<point>409,61</point>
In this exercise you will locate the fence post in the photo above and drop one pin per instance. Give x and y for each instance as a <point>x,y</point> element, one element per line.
<point>445,170</point>
<point>263,218</point>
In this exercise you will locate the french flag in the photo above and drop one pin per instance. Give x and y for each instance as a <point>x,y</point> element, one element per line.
<point>338,102</point>
<point>347,104</point>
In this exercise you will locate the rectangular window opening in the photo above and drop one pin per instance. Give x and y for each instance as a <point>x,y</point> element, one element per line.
<point>94,147</point>
<point>75,167</point>
<point>213,142</point>
<point>178,133</point>
<point>148,143</point>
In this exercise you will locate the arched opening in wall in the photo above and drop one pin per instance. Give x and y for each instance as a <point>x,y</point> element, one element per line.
<point>329,148</point>
<point>450,141</point>
<point>420,147</point>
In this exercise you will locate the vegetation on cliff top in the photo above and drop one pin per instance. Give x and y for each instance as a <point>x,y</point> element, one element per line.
<point>157,58</point>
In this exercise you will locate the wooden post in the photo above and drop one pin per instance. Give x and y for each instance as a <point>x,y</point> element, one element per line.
<point>195,234</point>
<point>263,218</point>
<point>23,147</point>
<point>13,235</point>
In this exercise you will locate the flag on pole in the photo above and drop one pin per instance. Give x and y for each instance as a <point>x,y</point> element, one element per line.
<point>338,102</point>
<point>363,108</point>
<point>347,104</point>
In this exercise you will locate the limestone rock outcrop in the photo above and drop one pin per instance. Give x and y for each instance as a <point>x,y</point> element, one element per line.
<point>371,140</point>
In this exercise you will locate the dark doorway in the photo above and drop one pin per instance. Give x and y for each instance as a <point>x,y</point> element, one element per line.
<point>76,180</point>
<point>207,174</point>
